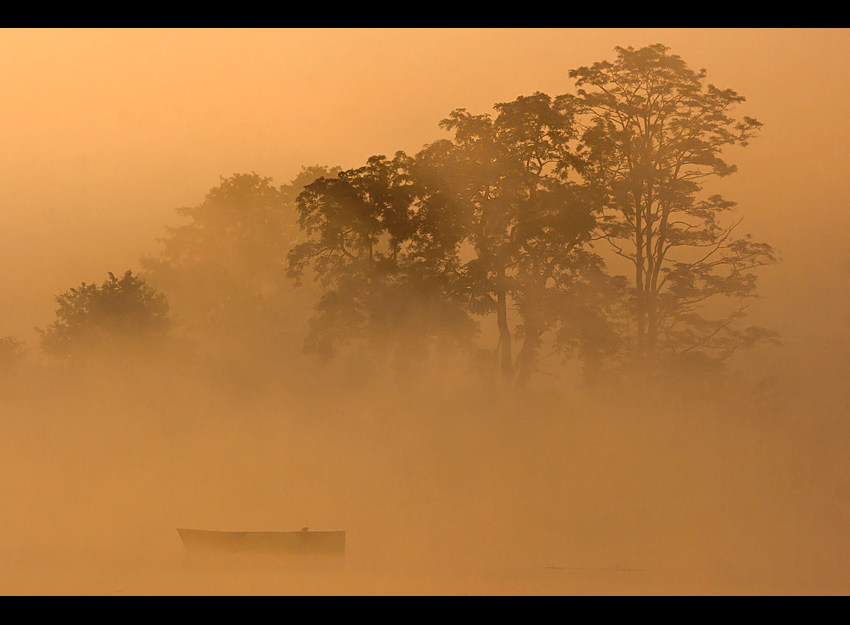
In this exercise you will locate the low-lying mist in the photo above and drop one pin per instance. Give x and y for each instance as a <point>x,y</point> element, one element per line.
<point>442,483</point>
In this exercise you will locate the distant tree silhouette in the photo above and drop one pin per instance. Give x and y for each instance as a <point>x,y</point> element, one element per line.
<point>12,351</point>
<point>654,132</point>
<point>122,312</point>
<point>224,270</point>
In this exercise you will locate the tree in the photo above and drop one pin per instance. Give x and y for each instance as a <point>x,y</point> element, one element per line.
<point>529,225</point>
<point>654,134</point>
<point>12,352</point>
<point>384,289</point>
<point>122,312</point>
<point>224,269</point>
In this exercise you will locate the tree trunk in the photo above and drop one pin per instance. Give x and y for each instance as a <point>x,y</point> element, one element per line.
<point>533,329</point>
<point>640,304</point>
<point>527,358</point>
<point>651,326</point>
<point>505,340</point>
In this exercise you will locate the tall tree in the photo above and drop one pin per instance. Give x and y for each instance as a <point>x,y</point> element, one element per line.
<point>528,224</point>
<point>655,132</point>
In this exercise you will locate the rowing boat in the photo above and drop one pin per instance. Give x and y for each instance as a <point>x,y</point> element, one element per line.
<point>303,542</point>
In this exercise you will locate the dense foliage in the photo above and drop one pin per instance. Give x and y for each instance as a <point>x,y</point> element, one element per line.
<point>120,312</point>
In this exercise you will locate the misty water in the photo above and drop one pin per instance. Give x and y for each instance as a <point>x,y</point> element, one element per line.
<point>440,490</point>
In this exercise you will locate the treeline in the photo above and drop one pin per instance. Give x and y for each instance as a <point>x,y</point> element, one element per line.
<point>572,227</point>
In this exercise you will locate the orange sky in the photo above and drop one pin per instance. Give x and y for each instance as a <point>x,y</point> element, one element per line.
<point>106,132</point>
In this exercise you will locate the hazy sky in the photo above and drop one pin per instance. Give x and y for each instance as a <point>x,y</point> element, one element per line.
<point>106,132</point>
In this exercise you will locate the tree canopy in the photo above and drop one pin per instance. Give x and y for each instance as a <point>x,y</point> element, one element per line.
<point>385,284</point>
<point>224,269</point>
<point>471,226</point>
<point>121,312</point>
<point>529,224</point>
<point>653,133</point>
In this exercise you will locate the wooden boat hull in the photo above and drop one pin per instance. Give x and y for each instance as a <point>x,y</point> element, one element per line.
<point>280,543</point>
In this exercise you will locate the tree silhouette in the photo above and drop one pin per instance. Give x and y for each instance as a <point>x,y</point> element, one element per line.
<point>12,352</point>
<point>122,312</point>
<point>507,179</point>
<point>501,218</point>
<point>655,132</point>
<point>224,270</point>
<point>473,225</point>
<point>383,287</point>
